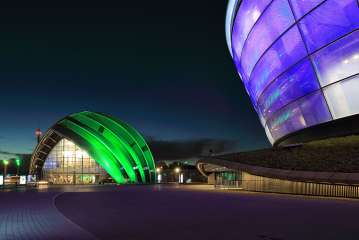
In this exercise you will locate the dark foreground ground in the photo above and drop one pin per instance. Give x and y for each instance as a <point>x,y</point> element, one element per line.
<point>172,212</point>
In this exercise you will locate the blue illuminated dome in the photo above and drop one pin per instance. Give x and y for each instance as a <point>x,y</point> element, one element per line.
<point>299,62</point>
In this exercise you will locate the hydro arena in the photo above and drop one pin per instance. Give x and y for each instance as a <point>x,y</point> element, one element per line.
<point>299,62</point>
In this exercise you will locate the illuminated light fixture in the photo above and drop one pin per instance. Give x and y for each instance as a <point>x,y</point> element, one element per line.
<point>80,154</point>
<point>255,15</point>
<point>177,169</point>
<point>42,182</point>
<point>5,162</point>
<point>159,178</point>
<point>116,146</point>
<point>22,180</point>
<point>67,154</point>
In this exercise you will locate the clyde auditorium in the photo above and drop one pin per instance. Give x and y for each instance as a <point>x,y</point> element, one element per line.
<point>88,147</point>
<point>299,62</point>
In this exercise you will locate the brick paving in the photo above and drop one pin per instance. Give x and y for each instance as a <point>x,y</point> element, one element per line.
<point>172,212</point>
<point>32,215</point>
<point>186,213</point>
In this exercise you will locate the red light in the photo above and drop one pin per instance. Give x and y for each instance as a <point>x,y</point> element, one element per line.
<point>38,132</point>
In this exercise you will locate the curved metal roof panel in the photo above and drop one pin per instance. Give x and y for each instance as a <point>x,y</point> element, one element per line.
<point>116,146</point>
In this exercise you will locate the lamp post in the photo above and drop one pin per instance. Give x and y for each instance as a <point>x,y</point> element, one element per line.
<point>5,162</point>
<point>159,175</point>
<point>18,162</point>
<point>38,134</point>
<point>178,170</point>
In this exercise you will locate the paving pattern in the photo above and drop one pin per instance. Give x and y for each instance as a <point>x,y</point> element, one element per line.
<point>161,212</point>
<point>32,215</point>
<point>172,212</point>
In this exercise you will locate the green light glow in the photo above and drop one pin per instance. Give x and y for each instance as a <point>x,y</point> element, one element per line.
<point>114,145</point>
<point>98,151</point>
<point>127,140</point>
<point>281,118</point>
<point>17,161</point>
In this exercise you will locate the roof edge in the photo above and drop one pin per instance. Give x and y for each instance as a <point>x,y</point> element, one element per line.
<point>292,175</point>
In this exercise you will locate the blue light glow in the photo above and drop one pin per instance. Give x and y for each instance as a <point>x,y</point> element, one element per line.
<point>288,51</point>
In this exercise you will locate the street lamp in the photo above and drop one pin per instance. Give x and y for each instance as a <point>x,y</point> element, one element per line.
<point>18,162</point>
<point>5,162</point>
<point>178,170</point>
<point>38,134</point>
<point>159,175</point>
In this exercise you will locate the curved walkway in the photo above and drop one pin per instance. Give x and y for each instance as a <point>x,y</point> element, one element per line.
<point>32,215</point>
<point>172,212</point>
<point>185,212</point>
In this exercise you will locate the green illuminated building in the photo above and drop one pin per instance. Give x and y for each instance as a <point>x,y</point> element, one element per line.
<point>87,147</point>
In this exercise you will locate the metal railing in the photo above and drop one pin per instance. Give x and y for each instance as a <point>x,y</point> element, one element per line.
<point>251,182</point>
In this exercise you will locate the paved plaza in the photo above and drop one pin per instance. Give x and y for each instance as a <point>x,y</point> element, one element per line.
<point>172,212</point>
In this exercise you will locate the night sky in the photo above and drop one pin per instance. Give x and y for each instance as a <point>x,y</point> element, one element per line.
<point>161,66</point>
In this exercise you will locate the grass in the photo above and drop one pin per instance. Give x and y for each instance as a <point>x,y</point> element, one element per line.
<point>331,155</point>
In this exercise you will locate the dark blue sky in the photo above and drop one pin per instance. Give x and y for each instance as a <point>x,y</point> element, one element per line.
<point>162,67</point>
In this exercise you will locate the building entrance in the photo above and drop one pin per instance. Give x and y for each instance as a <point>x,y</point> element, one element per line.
<point>67,163</point>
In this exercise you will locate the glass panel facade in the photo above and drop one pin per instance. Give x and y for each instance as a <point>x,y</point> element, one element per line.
<point>338,60</point>
<point>247,15</point>
<point>284,53</point>
<point>69,164</point>
<point>275,20</point>
<point>284,61</point>
<point>335,18</point>
<point>308,111</point>
<point>343,97</point>
<point>300,80</point>
<point>301,7</point>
